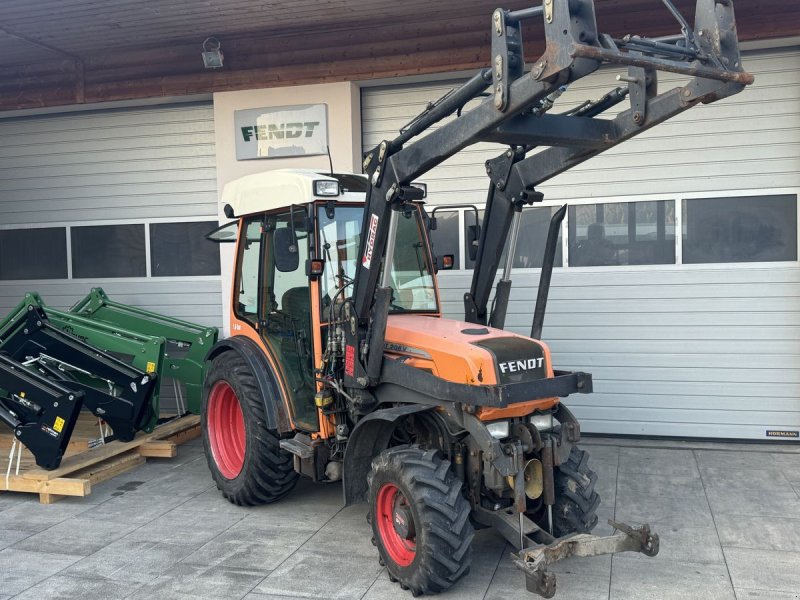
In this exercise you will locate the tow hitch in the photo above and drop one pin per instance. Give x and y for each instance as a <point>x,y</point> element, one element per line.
<point>534,561</point>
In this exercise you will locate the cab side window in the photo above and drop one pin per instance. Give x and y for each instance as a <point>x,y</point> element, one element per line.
<point>250,260</point>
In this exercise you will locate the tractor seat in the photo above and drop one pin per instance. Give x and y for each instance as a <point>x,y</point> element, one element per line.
<point>297,304</point>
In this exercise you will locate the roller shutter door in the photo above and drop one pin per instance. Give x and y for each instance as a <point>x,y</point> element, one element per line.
<point>129,191</point>
<point>695,348</point>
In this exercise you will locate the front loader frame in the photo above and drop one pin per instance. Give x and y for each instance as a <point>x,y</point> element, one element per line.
<point>96,362</point>
<point>514,114</point>
<point>187,344</point>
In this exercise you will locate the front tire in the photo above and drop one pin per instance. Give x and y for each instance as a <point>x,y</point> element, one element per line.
<point>244,456</point>
<point>575,510</point>
<point>420,519</point>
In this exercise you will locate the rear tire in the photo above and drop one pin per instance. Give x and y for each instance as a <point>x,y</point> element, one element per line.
<point>420,519</point>
<point>244,457</point>
<point>575,510</point>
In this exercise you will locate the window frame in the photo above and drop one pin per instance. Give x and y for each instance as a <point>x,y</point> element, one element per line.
<point>677,197</point>
<point>68,225</point>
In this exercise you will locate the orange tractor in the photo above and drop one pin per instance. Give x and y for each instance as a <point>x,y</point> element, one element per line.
<point>341,366</point>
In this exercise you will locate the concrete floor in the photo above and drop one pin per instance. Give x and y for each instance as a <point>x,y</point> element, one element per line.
<point>728,517</point>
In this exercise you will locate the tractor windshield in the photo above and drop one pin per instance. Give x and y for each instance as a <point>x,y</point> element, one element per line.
<point>412,278</point>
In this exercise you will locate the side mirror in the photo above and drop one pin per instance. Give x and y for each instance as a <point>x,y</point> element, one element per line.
<point>473,236</point>
<point>284,247</point>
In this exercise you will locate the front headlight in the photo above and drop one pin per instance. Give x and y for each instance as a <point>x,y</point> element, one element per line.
<point>542,422</point>
<point>498,429</point>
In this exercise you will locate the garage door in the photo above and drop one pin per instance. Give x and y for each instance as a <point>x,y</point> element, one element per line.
<point>116,198</point>
<point>677,282</point>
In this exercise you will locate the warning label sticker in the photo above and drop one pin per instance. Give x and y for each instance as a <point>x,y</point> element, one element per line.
<point>151,367</point>
<point>59,424</point>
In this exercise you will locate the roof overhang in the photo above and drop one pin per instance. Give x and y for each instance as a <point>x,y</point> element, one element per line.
<point>65,52</point>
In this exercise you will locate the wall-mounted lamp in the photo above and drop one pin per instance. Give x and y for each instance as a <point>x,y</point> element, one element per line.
<point>212,53</point>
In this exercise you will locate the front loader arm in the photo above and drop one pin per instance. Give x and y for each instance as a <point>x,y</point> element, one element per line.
<point>514,114</point>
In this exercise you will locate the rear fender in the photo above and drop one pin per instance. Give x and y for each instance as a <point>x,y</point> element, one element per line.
<point>274,405</point>
<point>369,438</point>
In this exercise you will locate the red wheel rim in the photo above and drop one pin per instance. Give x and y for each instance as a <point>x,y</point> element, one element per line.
<point>226,430</point>
<point>390,505</point>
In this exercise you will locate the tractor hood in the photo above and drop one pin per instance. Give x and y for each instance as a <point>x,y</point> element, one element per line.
<point>465,352</point>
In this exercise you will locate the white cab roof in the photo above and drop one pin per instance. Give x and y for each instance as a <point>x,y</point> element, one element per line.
<point>275,189</point>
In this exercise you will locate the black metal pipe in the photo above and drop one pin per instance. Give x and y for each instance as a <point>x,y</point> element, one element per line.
<point>501,296</point>
<point>645,44</point>
<point>547,271</point>
<point>526,13</point>
<point>444,107</point>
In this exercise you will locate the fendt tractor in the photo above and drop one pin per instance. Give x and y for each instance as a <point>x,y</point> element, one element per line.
<point>341,365</point>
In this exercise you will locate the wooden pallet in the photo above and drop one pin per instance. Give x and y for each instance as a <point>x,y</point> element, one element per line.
<point>83,466</point>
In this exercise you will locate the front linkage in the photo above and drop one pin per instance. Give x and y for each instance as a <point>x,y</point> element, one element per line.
<point>534,561</point>
<point>539,548</point>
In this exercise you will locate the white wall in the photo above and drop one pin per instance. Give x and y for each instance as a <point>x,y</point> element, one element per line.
<point>344,134</point>
<point>112,166</point>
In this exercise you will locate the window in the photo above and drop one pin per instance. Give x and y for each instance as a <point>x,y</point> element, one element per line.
<point>181,249</point>
<point>249,258</point>
<point>444,239</point>
<point>108,251</point>
<point>744,229</point>
<point>532,238</point>
<point>622,233</point>
<point>33,253</point>
<point>411,273</point>
<point>530,242</point>
<point>288,290</point>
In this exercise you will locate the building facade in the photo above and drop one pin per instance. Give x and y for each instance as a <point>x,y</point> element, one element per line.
<point>676,282</point>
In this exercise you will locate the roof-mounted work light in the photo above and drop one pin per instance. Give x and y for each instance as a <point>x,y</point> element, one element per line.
<point>326,187</point>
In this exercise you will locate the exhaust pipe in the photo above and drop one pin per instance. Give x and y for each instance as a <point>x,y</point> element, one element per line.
<point>547,272</point>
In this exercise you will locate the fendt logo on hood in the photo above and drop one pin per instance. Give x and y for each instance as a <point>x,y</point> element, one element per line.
<point>515,366</point>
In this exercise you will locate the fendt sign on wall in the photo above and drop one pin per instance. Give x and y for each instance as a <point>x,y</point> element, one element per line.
<point>281,131</point>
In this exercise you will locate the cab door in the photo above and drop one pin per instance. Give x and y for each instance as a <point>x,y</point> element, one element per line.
<point>279,305</point>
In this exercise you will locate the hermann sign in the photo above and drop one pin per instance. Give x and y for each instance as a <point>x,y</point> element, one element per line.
<point>281,131</point>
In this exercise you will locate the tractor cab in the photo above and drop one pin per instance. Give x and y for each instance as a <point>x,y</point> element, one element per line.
<point>297,253</point>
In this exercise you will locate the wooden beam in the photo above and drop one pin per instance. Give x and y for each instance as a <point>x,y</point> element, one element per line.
<point>63,486</point>
<point>158,449</point>
<point>72,464</point>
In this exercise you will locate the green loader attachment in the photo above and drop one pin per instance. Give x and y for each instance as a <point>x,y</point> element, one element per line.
<point>187,343</point>
<point>107,357</point>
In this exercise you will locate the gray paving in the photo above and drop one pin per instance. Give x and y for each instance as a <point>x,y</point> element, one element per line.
<point>728,517</point>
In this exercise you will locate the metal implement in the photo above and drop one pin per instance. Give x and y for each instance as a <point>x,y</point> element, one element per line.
<point>143,352</point>
<point>186,343</point>
<point>534,561</point>
<point>41,412</point>
<point>112,390</point>
<point>95,359</point>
